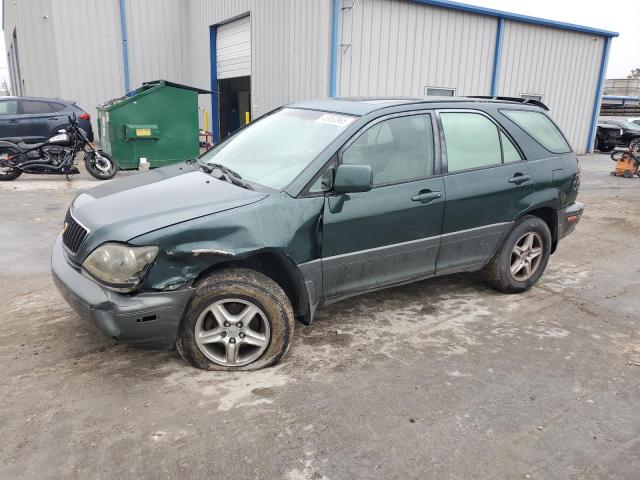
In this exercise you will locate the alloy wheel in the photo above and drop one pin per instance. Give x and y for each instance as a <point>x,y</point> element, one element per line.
<point>5,168</point>
<point>232,332</point>
<point>102,163</point>
<point>526,256</point>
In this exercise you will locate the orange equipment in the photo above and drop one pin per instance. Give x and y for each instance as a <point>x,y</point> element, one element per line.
<point>627,165</point>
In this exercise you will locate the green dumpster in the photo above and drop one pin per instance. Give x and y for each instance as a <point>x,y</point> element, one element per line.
<point>157,123</point>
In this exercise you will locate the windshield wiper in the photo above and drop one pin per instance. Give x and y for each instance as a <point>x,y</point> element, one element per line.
<point>223,173</point>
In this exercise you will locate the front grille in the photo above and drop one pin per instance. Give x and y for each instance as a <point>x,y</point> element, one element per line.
<point>74,233</point>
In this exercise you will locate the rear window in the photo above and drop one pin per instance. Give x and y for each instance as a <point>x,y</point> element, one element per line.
<point>540,127</point>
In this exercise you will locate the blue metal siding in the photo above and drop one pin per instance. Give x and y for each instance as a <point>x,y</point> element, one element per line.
<point>496,57</point>
<point>125,49</point>
<point>598,97</point>
<point>215,114</point>
<point>335,46</point>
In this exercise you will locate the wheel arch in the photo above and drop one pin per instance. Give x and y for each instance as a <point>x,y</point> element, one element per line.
<point>280,268</point>
<point>549,216</point>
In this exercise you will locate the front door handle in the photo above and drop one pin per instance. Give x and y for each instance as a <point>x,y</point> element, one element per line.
<point>426,196</point>
<point>52,118</point>
<point>13,121</point>
<point>519,178</point>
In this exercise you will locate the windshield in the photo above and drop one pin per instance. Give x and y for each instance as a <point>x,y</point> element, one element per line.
<point>630,125</point>
<point>276,148</point>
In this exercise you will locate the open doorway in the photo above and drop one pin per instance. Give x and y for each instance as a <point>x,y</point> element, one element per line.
<point>234,104</point>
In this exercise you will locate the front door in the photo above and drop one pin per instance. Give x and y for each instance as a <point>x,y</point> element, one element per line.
<point>9,118</point>
<point>391,233</point>
<point>39,121</point>
<point>488,184</point>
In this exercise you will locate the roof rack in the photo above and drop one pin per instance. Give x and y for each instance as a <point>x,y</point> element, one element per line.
<point>528,101</point>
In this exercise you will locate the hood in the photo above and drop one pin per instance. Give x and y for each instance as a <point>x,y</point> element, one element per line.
<point>135,205</point>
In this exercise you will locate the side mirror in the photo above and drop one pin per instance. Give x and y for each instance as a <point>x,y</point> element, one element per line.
<point>352,179</point>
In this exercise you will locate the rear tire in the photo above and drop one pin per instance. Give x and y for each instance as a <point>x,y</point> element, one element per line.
<point>634,145</point>
<point>627,174</point>
<point>7,173</point>
<point>102,168</point>
<point>605,148</point>
<point>507,271</point>
<point>206,341</point>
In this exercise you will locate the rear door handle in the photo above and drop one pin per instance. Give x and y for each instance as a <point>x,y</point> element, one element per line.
<point>519,178</point>
<point>13,121</point>
<point>426,196</point>
<point>52,118</point>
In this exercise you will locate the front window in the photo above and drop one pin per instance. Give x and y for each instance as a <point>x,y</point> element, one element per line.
<point>398,149</point>
<point>8,107</point>
<point>276,148</point>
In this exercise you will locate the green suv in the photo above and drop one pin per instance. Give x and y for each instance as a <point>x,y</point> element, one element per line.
<point>313,203</point>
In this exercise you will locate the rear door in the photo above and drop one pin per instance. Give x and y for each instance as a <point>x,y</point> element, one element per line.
<point>391,233</point>
<point>9,118</point>
<point>488,183</point>
<point>39,119</point>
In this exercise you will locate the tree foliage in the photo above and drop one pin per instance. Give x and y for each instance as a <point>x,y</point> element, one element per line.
<point>635,73</point>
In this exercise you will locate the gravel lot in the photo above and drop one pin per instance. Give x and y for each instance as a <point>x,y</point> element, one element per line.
<point>440,379</point>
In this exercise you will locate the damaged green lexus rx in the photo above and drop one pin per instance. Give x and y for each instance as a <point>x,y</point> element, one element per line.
<point>310,204</point>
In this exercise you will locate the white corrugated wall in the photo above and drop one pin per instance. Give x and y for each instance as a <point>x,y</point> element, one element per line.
<point>73,49</point>
<point>395,47</point>
<point>68,49</point>
<point>88,54</point>
<point>36,47</point>
<point>157,40</point>
<point>560,65</point>
<point>290,48</point>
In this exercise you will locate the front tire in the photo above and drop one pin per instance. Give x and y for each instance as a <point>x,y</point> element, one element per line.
<point>603,147</point>
<point>100,165</point>
<point>239,319</point>
<point>634,145</point>
<point>523,257</point>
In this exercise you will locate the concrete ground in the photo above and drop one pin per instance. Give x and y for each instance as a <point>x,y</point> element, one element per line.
<point>440,379</point>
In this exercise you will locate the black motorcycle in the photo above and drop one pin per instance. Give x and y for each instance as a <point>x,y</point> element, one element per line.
<point>55,156</point>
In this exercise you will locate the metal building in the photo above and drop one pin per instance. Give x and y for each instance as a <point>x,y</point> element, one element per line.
<point>260,54</point>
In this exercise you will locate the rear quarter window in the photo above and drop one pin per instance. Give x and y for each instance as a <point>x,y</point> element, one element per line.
<point>540,127</point>
<point>57,107</point>
<point>35,106</point>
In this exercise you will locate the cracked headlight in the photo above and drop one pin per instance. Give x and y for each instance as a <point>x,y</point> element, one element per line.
<point>119,267</point>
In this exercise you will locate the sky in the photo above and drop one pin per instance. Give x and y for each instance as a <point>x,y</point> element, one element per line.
<point>622,16</point>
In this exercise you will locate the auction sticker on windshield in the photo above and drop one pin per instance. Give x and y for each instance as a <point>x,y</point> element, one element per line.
<point>334,119</point>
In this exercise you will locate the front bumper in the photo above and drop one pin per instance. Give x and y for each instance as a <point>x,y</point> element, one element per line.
<point>568,218</point>
<point>146,320</point>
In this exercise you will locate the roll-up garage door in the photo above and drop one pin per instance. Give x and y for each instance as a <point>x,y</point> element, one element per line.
<point>233,48</point>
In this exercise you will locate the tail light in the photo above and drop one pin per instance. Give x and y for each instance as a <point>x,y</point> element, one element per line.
<point>576,177</point>
<point>84,116</point>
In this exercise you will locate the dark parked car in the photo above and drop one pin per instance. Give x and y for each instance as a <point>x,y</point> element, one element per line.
<point>35,120</point>
<point>617,133</point>
<point>310,204</point>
